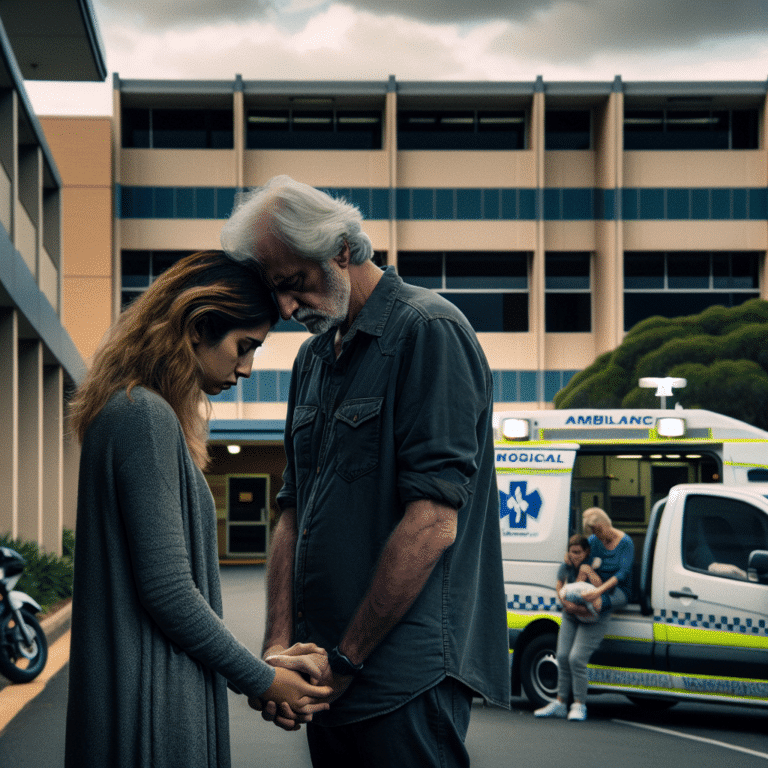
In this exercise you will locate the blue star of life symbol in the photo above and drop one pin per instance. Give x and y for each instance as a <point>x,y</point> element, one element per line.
<point>519,504</point>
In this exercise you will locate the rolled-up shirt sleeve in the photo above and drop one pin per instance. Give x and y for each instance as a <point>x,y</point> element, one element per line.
<point>444,387</point>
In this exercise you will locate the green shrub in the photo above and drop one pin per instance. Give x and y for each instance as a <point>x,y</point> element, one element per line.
<point>47,578</point>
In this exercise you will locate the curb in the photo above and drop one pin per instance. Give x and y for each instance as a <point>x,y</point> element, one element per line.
<point>54,627</point>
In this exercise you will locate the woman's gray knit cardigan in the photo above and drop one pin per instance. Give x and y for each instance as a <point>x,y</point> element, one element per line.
<point>150,655</point>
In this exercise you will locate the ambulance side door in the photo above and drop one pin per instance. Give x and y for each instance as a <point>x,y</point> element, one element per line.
<point>716,620</point>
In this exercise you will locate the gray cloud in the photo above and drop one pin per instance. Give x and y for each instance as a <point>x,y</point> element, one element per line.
<point>555,30</point>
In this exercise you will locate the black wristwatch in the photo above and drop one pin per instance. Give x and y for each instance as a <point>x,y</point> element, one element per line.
<point>341,665</point>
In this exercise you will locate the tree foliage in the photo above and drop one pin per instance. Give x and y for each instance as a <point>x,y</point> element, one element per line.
<point>723,354</point>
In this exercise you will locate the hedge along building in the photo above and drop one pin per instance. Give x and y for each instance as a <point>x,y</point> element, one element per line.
<point>44,40</point>
<point>555,215</point>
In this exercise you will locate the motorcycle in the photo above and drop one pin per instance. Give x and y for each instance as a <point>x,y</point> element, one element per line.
<point>23,645</point>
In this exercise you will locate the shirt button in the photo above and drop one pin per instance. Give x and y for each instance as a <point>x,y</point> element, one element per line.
<point>300,615</point>
<point>318,469</point>
<point>305,531</point>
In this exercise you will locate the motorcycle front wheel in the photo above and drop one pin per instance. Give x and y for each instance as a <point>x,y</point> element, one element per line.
<point>21,662</point>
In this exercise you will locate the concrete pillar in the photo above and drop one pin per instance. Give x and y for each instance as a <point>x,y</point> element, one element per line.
<point>30,391</point>
<point>390,147</point>
<point>537,284</point>
<point>9,418</point>
<point>53,458</point>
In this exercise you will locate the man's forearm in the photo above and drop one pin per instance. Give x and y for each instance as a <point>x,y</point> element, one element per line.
<point>409,557</point>
<point>279,623</point>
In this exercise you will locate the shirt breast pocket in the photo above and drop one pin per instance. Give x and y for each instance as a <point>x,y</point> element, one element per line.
<point>301,436</point>
<point>358,428</point>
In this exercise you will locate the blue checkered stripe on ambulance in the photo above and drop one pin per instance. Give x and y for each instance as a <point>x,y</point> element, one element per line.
<point>746,626</point>
<point>534,603</point>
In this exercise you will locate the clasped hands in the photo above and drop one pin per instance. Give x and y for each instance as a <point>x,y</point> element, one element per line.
<point>303,684</point>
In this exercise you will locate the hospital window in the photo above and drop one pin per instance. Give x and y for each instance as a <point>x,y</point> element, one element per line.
<point>460,129</point>
<point>151,128</point>
<point>673,284</point>
<point>567,129</point>
<point>490,288</point>
<point>140,268</point>
<point>691,129</point>
<point>568,297</point>
<point>313,129</point>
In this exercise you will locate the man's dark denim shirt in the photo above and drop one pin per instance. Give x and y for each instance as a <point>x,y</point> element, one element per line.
<point>403,414</point>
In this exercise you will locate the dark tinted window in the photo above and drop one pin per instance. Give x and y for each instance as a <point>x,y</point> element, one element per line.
<point>567,129</point>
<point>460,129</point>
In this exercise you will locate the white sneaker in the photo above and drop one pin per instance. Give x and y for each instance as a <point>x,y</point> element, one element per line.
<point>553,709</point>
<point>577,711</point>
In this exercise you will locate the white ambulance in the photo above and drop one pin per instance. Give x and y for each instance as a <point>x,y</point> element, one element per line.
<point>691,489</point>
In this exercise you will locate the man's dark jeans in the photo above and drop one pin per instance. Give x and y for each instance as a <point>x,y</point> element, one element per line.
<point>427,732</point>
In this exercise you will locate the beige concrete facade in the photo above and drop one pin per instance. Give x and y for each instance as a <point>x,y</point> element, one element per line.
<point>150,188</point>
<point>39,362</point>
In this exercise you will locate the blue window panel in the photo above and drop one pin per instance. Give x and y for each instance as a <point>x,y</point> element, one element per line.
<point>118,198</point>
<point>758,204</point>
<point>491,204</point>
<point>528,386</point>
<point>250,388</point>
<point>225,201</point>
<point>567,376</point>
<point>362,199</point>
<point>206,203</point>
<point>739,204</point>
<point>630,204</point>
<point>423,202</point>
<point>578,204</point>
<point>139,202</point>
<point>185,203</point>
<point>289,325</point>
<point>164,203</point>
<point>553,205</point>
<point>527,204</point>
<point>700,205</point>
<point>553,383</point>
<point>445,205</point>
<point>267,386</point>
<point>225,396</point>
<point>469,204</point>
<point>283,385</point>
<point>651,204</point>
<point>509,198</point>
<point>403,204</point>
<point>721,204</point>
<point>509,393</point>
<point>678,204</point>
<point>380,204</point>
<point>497,386</point>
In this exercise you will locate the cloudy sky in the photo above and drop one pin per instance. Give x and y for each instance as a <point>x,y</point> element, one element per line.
<point>420,40</point>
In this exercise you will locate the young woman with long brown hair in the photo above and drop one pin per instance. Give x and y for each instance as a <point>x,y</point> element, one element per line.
<point>150,657</point>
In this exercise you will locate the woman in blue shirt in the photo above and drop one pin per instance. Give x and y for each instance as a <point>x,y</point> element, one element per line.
<point>576,640</point>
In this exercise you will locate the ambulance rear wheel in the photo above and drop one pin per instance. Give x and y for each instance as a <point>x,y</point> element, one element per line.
<point>538,669</point>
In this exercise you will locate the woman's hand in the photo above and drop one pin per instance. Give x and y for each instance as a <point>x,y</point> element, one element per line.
<point>292,699</point>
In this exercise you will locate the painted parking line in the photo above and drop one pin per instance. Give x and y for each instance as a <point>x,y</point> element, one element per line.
<point>15,697</point>
<point>703,739</point>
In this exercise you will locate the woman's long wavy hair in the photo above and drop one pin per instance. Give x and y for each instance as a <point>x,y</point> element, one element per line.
<point>150,344</point>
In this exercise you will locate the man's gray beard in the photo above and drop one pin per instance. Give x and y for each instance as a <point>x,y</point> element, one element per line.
<point>339,290</point>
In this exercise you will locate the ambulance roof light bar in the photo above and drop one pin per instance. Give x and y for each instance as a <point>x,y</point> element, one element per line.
<point>516,429</point>
<point>664,386</point>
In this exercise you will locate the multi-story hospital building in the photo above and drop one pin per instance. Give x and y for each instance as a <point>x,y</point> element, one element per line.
<point>555,215</point>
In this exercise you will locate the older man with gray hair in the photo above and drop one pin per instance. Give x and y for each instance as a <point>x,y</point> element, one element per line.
<point>387,551</point>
